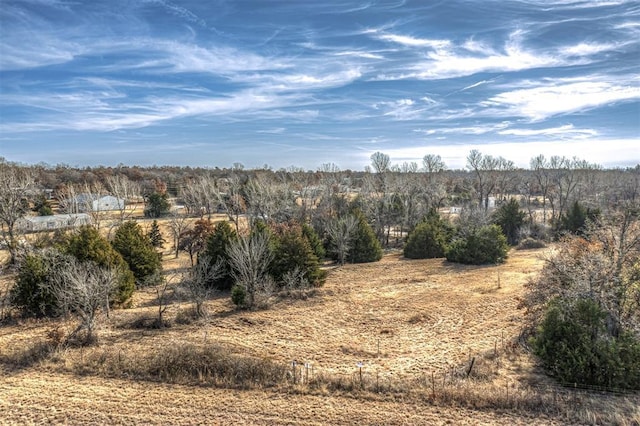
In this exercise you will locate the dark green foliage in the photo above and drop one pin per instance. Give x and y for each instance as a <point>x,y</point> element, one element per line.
<point>510,219</point>
<point>155,236</point>
<point>576,219</point>
<point>574,346</point>
<point>216,250</point>
<point>365,247</point>
<point>30,292</point>
<point>42,206</point>
<point>483,245</point>
<point>238,295</point>
<point>314,240</point>
<point>157,205</point>
<point>136,249</point>
<point>429,238</point>
<point>293,251</point>
<point>88,245</point>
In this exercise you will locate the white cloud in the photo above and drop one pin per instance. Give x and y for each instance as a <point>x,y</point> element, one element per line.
<point>414,42</point>
<point>586,49</point>
<point>566,131</point>
<point>606,152</point>
<point>546,101</point>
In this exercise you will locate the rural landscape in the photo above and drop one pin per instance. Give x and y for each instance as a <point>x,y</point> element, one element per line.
<point>401,294</point>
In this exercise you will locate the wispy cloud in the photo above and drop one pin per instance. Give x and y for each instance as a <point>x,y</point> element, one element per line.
<point>549,99</point>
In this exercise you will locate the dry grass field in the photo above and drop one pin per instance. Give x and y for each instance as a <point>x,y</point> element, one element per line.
<point>414,325</point>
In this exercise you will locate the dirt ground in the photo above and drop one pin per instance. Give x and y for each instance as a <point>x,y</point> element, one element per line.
<point>402,319</point>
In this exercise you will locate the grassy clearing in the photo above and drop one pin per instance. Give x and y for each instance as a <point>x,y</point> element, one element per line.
<point>414,326</point>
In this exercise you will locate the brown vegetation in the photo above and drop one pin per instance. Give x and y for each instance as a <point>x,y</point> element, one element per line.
<point>438,343</point>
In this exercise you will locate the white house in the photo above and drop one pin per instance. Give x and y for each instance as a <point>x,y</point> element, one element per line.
<point>93,202</point>
<point>51,223</point>
<point>106,203</point>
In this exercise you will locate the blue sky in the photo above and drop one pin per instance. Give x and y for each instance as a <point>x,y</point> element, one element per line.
<point>210,83</point>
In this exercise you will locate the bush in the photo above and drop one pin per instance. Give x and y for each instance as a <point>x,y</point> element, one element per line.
<point>136,249</point>
<point>365,247</point>
<point>238,295</point>
<point>31,293</point>
<point>216,250</point>
<point>88,245</point>
<point>314,241</point>
<point>428,239</point>
<point>484,245</point>
<point>510,219</point>
<point>576,219</point>
<point>575,347</point>
<point>292,251</point>
<point>531,243</point>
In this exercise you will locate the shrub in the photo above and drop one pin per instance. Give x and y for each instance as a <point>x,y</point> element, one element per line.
<point>428,239</point>
<point>575,220</point>
<point>216,250</point>
<point>292,251</point>
<point>531,243</point>
<point>314,241</point>
<point>88,245</point>
<point>136,249</point>
<point>575,347</point>
<point>510,219</point>
<point>31,292</point>
<point>365,247</point>
<point>238,295</point>
<point>483,245</point>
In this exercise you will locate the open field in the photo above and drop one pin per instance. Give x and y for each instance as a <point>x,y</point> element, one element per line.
<point>413,324</point>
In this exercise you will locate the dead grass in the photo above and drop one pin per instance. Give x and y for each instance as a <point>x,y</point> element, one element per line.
<point>413,325</point>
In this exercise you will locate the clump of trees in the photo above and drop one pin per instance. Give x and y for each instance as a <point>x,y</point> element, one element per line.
<point>429,239</point>
<point>479,246</point>
<point>137,250</point>
<point>584,308</point>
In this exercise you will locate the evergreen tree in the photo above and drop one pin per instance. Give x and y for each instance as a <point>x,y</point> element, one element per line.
<point>510,219</point>
<point>292,251</point>
<point>136,249</point>
<point>157,205</point>
<point>429,238</point>
<point>365,247</point>
<point>155,235</point>
<point>216,250</point>
<point>88,245</point>
<point>314,240</point>
<point>575,220</point>
<point>31,292</point>
<point>484,245</point>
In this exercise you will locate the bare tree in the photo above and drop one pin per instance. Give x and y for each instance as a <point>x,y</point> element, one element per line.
<point>341,232</point>
<point>433,164</point>
<point>250,257</point>
<point>84,289</point>
<point>126,190</point>
<point>16,184</point>
<point>178,224</point>
<point>196,281</point>
<point>81,198</point>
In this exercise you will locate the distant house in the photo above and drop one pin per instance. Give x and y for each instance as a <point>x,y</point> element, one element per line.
<point>107,203</point>
<point>96,203</point>
<point>51,223</point>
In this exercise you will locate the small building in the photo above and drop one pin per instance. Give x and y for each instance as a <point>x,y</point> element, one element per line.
<point>92,202</point>
<point>107,203</point>
<point>51,223</point>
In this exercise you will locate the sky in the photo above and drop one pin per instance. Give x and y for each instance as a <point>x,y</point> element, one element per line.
<point>302,83</point>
